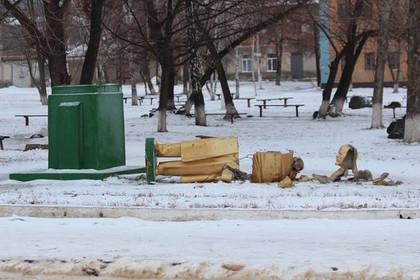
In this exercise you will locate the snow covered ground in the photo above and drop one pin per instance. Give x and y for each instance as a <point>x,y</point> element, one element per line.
<point>285,249</point>
<point>317,142</point>
<point>37,248</point>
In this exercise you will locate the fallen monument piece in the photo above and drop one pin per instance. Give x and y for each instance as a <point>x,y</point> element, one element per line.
<point>268,167</point>
<point>201,160</point>
<point>347,160</point>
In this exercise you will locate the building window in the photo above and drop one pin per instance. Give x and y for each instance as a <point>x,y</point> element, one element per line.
<point>370,61</point>
<point>394,60</point>
<point>246,63</point>
<point>342,9</point>
<point>271,62</point>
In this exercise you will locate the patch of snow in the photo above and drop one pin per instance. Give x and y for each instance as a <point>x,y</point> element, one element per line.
<point>281,249</point>
<point>317,142</point>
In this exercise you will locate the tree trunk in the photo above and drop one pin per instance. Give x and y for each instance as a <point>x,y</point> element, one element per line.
<point>351,54</point>
<point>382,54</point>
<point>326,93</point>
<point>42,78</point>
<point>52,45</point>
<point>40,84</point>
<point>412,120</point>
<point>185,79</point>
<point>57,58</point>
<point>106,74</point>
<point>396,87</point>
<point>89,64</point>
<point>213,88</point>
<point>343,85</point>
<point>260,86</point>
<point>395,76</point>
<point>352,49</point>
<point>279,55</point>
<point>253,66</point>
<point>163,99</point>
<point>227,96</point>
<point>197,94</point>
<point>317,54</point>
<point>237,82</point>
<point>150,84</point>
<point>101,72</point>
<point>146,89</point>
<point>134,96</point>
<point>171,87</point>
<point>398,74</point>
<point>158,74</point>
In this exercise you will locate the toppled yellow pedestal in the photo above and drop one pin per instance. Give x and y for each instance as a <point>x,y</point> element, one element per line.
<point>202,160</point>
<point>270,167</point>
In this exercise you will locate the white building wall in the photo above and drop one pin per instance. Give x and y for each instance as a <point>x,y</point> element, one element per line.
<point>20,75</point>
<point>16,73</point>
<point>5,74</point>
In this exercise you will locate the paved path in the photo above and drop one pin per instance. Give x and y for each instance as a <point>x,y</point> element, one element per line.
<point>116,247</point>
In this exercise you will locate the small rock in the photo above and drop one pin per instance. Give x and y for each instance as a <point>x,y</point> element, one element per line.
<point>233,267</point>
<point>30,147</point>
<point>90,271</point>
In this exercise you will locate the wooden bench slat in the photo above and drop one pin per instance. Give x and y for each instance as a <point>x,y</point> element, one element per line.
<point>248,99</point>
<point>31,115</point>
<point>264,100</point>
<point>26,117</point>
<point>261,106</point>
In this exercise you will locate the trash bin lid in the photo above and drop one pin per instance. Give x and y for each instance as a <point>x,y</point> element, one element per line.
<point>80,89</point>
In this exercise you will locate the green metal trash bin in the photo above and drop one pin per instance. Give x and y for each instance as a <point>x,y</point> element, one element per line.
<point>86,127</point>
<point>86,134</point>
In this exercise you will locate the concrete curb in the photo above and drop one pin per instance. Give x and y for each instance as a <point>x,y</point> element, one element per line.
<point>157,214</point>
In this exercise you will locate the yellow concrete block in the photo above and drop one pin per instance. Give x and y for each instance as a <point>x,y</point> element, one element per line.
<point>208,148</point>
<point>168,150</point>
<point>199,178</point>
<point>210,166</point>
<point>271,166</point>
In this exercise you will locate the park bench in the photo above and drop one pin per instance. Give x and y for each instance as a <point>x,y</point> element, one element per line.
<point>178,96</point>
<point>151,99</point>
<point>2,137</point>
<point>219,94</point>
<point>394,105</point>
<point>140,98</point>
<point>248,99</point>
<point>264,100</point>
<point>261,106</point>
<point>26,117</point>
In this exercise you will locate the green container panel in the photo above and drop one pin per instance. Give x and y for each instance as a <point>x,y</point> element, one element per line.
<point>70,116</point>
<point>100,120</point>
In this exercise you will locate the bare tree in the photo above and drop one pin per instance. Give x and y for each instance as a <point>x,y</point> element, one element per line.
<point>89,64</point>
<point>52,41</point>
<point>397,41</point>
<point>412,120</point>
<point>196,92</point>
<point>347,30</point>
<point>161,28</point>
<point>382,54</point>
